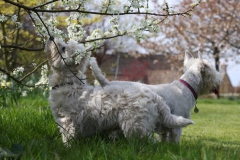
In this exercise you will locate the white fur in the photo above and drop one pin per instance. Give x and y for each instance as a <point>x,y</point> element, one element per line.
<point>82,110</point>
<point>199,73</point>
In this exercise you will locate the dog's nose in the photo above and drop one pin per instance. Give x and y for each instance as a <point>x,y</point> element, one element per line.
<point>51,38</point>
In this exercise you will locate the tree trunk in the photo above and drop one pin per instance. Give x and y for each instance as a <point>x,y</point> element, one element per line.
<point>117,67</point>
<point>216,58</point>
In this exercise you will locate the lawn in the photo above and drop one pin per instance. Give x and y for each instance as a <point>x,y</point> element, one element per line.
<point>28,131</point>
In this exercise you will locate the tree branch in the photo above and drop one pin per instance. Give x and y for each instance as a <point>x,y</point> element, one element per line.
<point>28,74</point>
<point>34,9</point>
<point>44,4</point>
<point>15,79</point>
<point>22,48</point>
<point>38,9</point>
<point>234,45</point>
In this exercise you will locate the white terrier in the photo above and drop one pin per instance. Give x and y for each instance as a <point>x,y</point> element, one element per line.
<point>82,110</point>
<point>200,78</point>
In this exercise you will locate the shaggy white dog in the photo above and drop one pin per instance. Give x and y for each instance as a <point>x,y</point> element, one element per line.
<point>200,78</point>
<point>82,110</point>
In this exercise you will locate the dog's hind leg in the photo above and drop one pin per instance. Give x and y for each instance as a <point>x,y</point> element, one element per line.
<point>168,119</point>
<point>175,134</point>
<point>143,115</point>
<point>97,73</point>
<point>136,126</point>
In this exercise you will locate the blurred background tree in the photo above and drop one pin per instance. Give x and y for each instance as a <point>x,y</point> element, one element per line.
<point>213,29</point>
<point>19,44</point>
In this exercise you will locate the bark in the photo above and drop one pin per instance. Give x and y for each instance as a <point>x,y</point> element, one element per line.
<point>216,53</point>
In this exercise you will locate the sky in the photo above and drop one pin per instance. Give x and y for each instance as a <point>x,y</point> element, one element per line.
<point>233,71</point>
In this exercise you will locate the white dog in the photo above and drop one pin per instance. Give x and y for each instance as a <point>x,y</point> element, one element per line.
<point>82,110</point>
<point>200,77</point>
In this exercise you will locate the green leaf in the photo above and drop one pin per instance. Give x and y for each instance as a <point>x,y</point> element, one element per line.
<point>17,148</point>
<point>4,152</point>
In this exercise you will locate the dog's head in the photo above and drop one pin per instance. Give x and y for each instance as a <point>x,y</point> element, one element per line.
<point>63,55</point>
<point>210,77</point>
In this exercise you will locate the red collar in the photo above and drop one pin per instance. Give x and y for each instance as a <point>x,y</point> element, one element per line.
<point>189,87</point>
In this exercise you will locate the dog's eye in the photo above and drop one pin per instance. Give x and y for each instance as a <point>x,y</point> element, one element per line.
<point>63,49</point>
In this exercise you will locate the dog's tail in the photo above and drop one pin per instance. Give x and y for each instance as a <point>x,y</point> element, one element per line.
<point>168,119</point>
<point>97,73</point>
<point>176,121</point>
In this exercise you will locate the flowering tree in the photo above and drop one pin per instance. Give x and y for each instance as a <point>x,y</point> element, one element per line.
<point>95,23</point>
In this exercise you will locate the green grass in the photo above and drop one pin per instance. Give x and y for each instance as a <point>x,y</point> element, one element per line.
<point>28,131</point>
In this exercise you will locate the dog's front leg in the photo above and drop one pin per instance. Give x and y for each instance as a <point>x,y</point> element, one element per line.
<point>175,135</point>
<point>97,73</point>
<point>67,128</point>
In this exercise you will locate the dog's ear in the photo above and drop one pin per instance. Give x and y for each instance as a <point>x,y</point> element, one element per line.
<point>200,56</point>
<point>188,56</point>
<point>202,65</point>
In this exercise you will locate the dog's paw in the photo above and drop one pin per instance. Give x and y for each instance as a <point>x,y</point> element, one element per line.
<point>93,64</point>
<point>93,60</point>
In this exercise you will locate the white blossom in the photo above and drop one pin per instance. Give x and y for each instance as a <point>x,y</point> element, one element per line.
<point>75,32</point>
<point>24,93</point>
<point>18,70</point>
<point>21,69</point>
<point>18,24</point>
<point>4,83</point>
<point>14,18</point>
<point>107,33</point>
<point>68,59</point>
<point>194,4</point>
<point>34,64</point>
<point>3,18</point>
<point>78,59</point>
<point>72,4</point>
<point>49,6</point>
